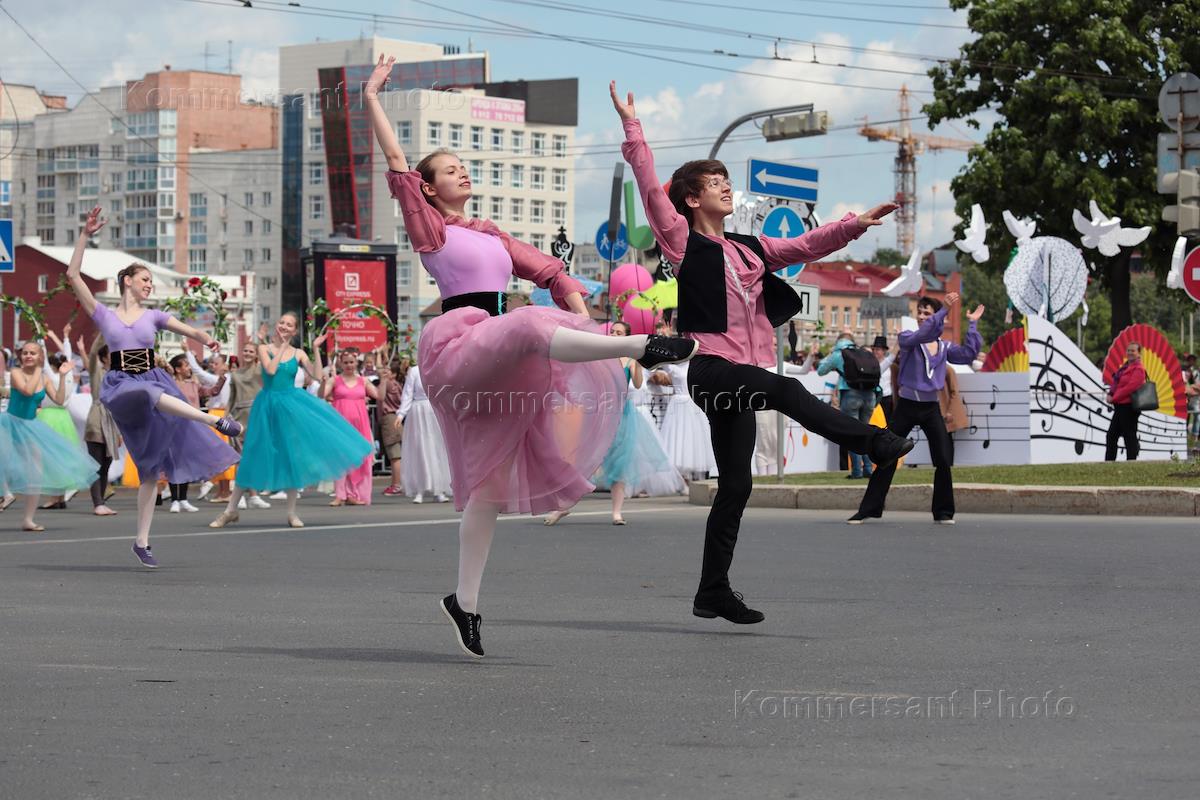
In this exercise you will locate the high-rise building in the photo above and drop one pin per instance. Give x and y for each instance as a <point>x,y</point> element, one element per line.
<point>19,105</point>
<point>186,173</point>
<point>515,137</point>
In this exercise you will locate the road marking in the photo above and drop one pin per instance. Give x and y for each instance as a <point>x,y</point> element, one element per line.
<point>327,528</point>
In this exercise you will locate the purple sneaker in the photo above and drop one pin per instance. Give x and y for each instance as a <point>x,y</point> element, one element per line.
<point>229,426</point>
<point>144,556</point>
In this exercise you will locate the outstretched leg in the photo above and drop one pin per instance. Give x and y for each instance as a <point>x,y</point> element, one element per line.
<point>179,408</point>
<point>570,345</point>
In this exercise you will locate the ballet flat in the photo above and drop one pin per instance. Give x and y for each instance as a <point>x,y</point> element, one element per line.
<point>295,521</point>
<point>223,519</point>
<point>33,528</point>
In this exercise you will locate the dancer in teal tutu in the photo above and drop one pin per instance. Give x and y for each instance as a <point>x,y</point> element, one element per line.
<point>293,440</point>
<point>34,458</point>
<point>636,456</point>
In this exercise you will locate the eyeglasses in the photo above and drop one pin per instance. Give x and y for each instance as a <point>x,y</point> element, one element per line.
<point>719,183</point>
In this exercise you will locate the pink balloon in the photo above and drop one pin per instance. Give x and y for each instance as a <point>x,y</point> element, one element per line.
<point>633,277</point>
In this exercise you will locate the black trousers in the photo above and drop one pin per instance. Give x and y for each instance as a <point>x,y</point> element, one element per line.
<point>1123,426</point>
<point>911,414</point>
<point>99,453</point>
<point>179,491</point>
<point>729,394</point>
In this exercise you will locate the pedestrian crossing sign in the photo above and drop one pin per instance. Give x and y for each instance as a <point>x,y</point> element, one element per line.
<point>7,261</point>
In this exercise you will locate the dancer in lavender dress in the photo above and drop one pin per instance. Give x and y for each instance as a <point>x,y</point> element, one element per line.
<point>163,433</point>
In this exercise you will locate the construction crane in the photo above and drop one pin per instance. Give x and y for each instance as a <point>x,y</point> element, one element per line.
<point>909,146</point>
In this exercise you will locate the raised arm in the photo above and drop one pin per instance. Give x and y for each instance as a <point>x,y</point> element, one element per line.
<point>269,363</point>
<point>183,329</point>
<point>546,272</point>
<point>931,329</point>
<point>822,241</point>
<point>60,391</point>
<point>966,353</point>
<point>91,226</point>
<point>205,377</point>
<point>635,374</point>
<point>379,119</point>
<point>669,226</point>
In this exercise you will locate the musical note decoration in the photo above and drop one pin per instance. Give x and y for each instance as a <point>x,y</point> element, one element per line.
<point>1162,366</point>
<point>1008,354</point>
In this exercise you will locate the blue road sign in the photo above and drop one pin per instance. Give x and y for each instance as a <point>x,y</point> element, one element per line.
<point>607,249</point>
<point>786,181</point>
<point>783,222</point>
<point>8,261</point>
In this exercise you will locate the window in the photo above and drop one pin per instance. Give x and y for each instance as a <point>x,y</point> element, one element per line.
<point>248,227</point>
<point>846,316</point>
<point>476,137</point>
<point>266,254</point>
<point>821,314</point>
<point>197,200</point>
<point>316,174</point>
<point>476,207</point>
<point>517,138</point>
<point>476,168</point>
<point>497,174</point>
<point>70,209</point>
<point>537,178</point>
<point>858,317</point>
<point>248,257</point>
<point>497,207</point>
<point>538,240</point>
<point>538,144</point>
<point>314,104</point>
<point>197,261</point>
<point>404,131</point>
<point>118,152</point>
<point>266,226</point>
<point>456,137</point>
<point>266,198</point>
<point>497,139</point>
<point>560,146</point>
<point>559,180</point>
<point>197,232</point>
<point>403,272</point>
<point>248,199</point>
<point>314,138</point>
<point>558,213</point>
<point>43,283</point>
<point>46,235</point>
<point>316,206</point>
<point>518,176</point>
<point>434,134</point>
<point>402,242</point>
<point>537,212</point>
<point>516,209</point>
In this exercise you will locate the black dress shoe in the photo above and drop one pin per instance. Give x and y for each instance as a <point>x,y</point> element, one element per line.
<point>466,626</point>
<point>667,350</point>
<point>729,606</point>
<point>887,447</point>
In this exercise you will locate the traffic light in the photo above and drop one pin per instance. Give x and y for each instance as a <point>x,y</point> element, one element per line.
<point>1185,185</point>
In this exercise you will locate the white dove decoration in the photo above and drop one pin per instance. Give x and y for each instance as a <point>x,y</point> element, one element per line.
<point>972,241</point>
<point>1105,233</point>
<point>1022,229</point>
<point>1175,276</point>
<point>910,280</point>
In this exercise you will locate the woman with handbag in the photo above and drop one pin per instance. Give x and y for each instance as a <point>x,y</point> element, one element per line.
<point>1126,382</point>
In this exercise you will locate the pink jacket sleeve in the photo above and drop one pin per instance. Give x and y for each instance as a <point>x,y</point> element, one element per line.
<point>669,226</point>
<point>425,225</point>
<point>543,269</point>
<point>818,243</point>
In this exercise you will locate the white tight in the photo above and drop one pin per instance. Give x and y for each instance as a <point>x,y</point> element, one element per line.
<point>572,346</point>
<point>180,408</point>
<point>474,541</point>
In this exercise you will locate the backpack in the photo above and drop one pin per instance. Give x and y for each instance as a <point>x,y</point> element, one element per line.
<point>860,368</point>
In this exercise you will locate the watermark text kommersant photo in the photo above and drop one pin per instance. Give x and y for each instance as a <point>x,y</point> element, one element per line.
<point>960,704</point>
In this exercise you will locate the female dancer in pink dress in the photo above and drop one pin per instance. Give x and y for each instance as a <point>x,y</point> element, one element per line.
<point>528,401</point>
<point>348,392</point>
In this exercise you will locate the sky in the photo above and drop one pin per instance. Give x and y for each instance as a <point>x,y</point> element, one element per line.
<point>848,59</point>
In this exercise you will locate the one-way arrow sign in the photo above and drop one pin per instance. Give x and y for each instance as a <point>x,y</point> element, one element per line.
<point>787,181</point>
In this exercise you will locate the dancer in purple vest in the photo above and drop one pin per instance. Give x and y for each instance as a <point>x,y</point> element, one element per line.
<point>528,401</point>
<point>162,432</point>
<point>729,302</point>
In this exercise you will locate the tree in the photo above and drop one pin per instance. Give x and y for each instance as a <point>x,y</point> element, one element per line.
<point>1075,86</point>
<point>889,257</point>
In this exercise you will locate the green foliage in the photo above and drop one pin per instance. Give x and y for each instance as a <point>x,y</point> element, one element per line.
<point>889,256</point>
<point>1074,87</point>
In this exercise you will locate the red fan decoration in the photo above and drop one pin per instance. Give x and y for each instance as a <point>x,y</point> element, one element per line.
<point>1162,366</point>
<point>1008,354</point>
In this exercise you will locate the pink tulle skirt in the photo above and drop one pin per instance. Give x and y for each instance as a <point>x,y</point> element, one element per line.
<point>521,430</point>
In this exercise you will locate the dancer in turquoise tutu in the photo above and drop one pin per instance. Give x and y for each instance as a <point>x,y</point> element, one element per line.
<point>35,459</point>
<point>635,456</point>
<point>293,440</point>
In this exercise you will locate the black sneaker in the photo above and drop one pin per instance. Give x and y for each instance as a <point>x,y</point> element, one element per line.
<point>466,626</point>
<point>861,517</point>
<point>887,447</point>
<point>729,607</point>
<point>667,350</point>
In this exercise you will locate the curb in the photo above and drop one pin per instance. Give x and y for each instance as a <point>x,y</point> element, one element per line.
<point>977,498</point>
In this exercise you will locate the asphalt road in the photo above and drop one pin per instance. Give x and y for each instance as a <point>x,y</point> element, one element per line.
<point>1008,656</point>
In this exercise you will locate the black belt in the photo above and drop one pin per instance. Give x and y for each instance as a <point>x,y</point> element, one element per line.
<point>494,303</point>
<point>134,362</point>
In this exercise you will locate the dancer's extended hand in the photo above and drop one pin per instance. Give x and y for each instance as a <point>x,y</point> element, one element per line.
<point>93,223</point>
<point>66,367</point>
<point>320,340</point>
<point>976,314</point>
<point>875,215</point>
<point>213,345</point>
<point>951,300</point>
<point>625,109</point>
<point>379,76</point>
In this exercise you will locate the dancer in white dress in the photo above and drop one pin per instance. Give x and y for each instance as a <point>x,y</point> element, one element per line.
<point>424,465</point>
<point>685,430</point>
